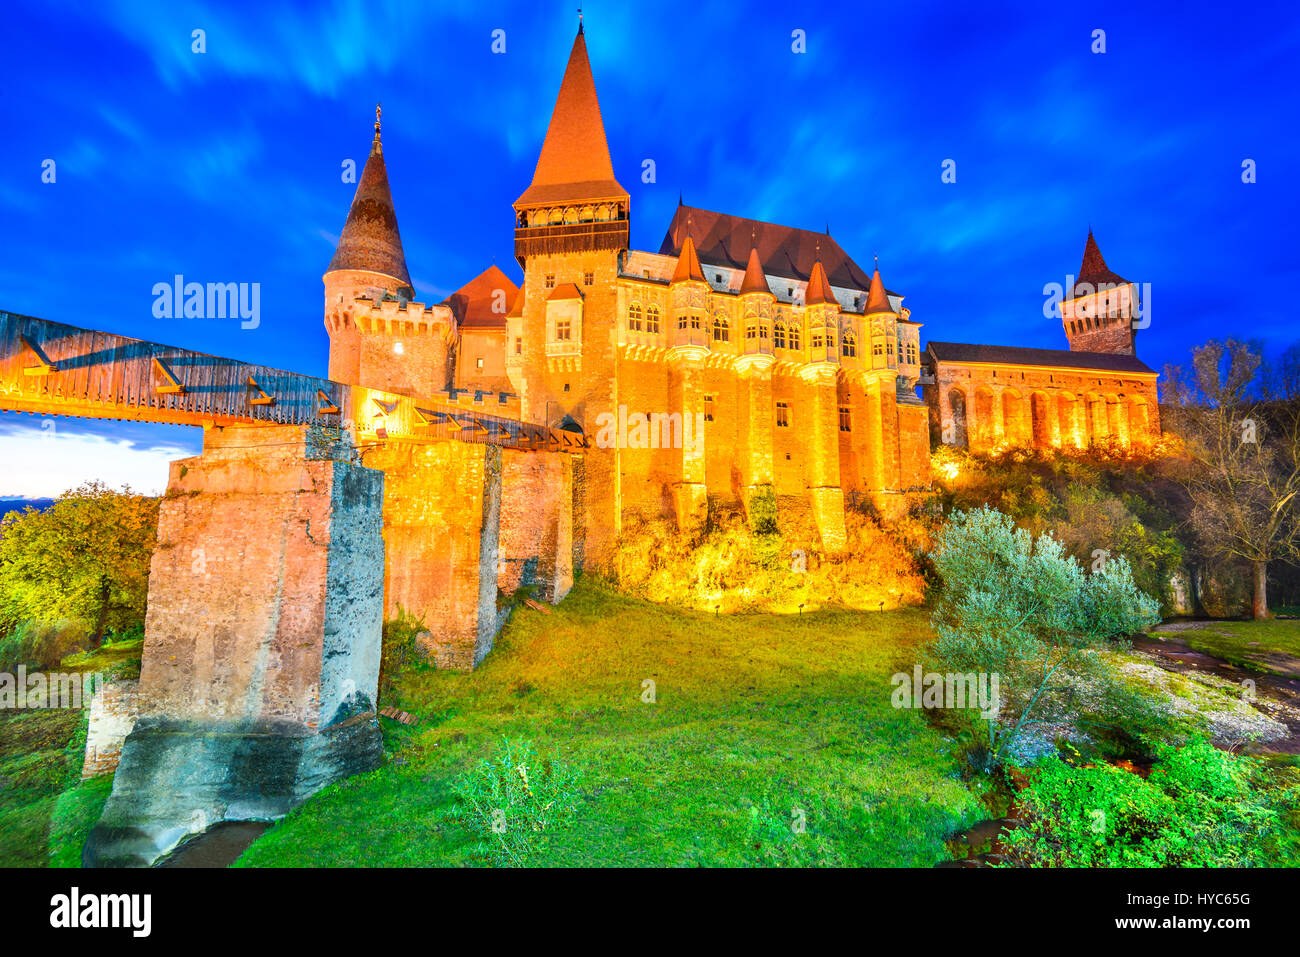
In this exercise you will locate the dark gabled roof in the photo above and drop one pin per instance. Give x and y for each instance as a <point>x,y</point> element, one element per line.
<point>725,240</point>
<point>472,303</point>
<point>1021,356</point>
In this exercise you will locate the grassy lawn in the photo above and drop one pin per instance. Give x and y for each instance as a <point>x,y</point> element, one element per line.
<point>755,715</point>
<point>1262,646</point>
<point>45,809</point>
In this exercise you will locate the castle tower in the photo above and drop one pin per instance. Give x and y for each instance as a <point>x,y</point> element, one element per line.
<point>1098,312</point>
<point>758,306</point>
<point>571,229</point>
<point>688,331</point>
<point>822,319</point>
<point>378,337</point>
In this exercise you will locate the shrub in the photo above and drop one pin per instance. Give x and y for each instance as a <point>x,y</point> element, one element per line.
<point>399,650</point>
<point>510,801</point>
<point>1019,607</point>
<point>1200,807</point>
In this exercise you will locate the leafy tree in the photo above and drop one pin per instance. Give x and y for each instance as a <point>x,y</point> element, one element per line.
<point>1022,608</point>
<point>1244,475</point>
<point>86,556</point>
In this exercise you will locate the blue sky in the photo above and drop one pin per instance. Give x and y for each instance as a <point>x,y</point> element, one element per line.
<point>225,165</point>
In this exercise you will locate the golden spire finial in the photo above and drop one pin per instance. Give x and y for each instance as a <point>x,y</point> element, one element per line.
<point>580,19</point>
<point>378,111</point>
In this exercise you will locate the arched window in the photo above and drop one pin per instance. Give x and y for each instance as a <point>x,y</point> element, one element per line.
<point>571,215</point>
<point>652,319</point>
<point>634,317</point>
<point>912,357</point>
<point>849,345</point>
<point>721,331</point>
<point>778,335</point>
<point>795,334</point>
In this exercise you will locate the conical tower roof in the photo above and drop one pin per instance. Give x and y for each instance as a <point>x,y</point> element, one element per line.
<point>877,298</point>
<point>370,240</point>
<point>574,164</point>
<point>1094,273</point>
<point>688,264</point>
<point>819,287</point>
<point>755,280</point>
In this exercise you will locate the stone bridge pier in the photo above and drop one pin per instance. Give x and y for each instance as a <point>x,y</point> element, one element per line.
<point>464,522</point>
<point>262,640</point>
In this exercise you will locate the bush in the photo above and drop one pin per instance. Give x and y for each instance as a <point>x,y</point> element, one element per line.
<point>1200,807</point>
<point>399,650</point>
<point>43,644</point>
<point>512,800</point>
<point>1019,607</point>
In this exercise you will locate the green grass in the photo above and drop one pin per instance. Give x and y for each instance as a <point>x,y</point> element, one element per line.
<point>1254,645</point>
<point>756,715</point>
<point>45,808</point>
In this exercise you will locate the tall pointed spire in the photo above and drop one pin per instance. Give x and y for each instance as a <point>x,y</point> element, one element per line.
<point>755,280</point>
<point>877,297</point>
<point>1094,274</point>
<point>819,287</point>
<point>574,164</point>
<point>370,240</point>
<point>688,264</point>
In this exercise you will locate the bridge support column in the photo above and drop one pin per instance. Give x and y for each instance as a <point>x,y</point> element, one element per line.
<point>536,542</point>
<point>442,513</point>
<point>262,640</point>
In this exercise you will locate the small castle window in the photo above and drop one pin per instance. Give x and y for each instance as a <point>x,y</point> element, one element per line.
<point>794,335</point>
<point>717,277</point>
<point>519,346</point>
<point>846,424</point>
<point>478,363</point>
<point>849,345</point>
<point>708,408</point>
<point>652,319</point>
<point>789,291</point>
<point>912,356</point>
<point>562,330</point>
<point>588,278</point>
<point>782,415</point>
<point>878,349</point>
<point>634,317</point>
<point>818,341</point>
<point>549,282</point>
<point>721,331</point>
<point>778,336</point>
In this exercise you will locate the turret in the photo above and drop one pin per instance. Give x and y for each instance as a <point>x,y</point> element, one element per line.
<point>1098,312</point>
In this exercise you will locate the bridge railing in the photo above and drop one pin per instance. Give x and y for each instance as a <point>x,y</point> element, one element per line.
<point>55,369</point>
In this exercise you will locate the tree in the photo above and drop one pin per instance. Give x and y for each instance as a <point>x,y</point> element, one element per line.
<point>1022,608</point>
<point>1243,477</point>
<point>86,556</point>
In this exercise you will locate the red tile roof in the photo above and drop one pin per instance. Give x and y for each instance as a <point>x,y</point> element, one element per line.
<point>1094,273</point>
<point>574,163</point>
<point>688,264</point>
<point>565,290</point>
<point>725,240</point>
<point>819,290</point>
<point>370,240</point>
<point>755,280</point>
<point>877,298</point>
<point>472,303</point>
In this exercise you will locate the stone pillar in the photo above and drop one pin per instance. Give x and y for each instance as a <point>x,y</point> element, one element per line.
<point>262,640</point>
<point>823,469</point>
<point>686,391</point>
<point>536,528</point>
<point>442,508</point>
<point>1052,409</point>
<point>756,378</point>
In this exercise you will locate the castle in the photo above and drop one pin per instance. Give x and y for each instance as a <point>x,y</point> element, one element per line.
<point>743,363</point>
